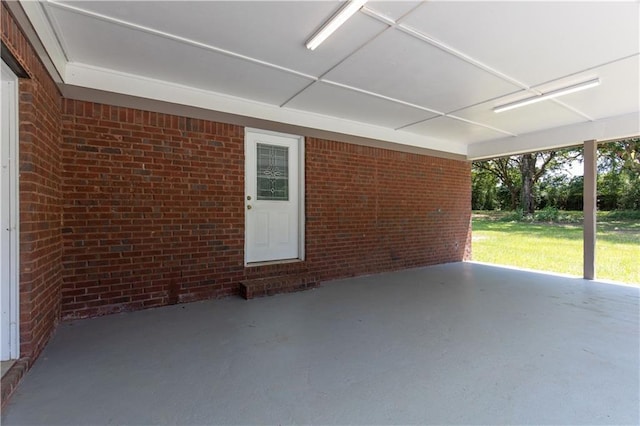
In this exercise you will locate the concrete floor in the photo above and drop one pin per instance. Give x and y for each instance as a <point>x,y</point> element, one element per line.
<point>460,343</point>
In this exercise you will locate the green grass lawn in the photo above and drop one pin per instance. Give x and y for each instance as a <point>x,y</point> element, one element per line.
<point>557,247</point>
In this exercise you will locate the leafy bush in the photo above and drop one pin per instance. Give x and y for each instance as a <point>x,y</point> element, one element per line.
<point>548,214</point>
<point>620,215</point>
<point>513,216</point>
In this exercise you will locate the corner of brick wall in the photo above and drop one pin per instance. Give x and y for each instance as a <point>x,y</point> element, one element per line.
<point>40,197</point>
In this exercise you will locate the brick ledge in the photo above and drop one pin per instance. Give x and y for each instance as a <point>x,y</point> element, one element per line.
<point>11,380</point>
<point>260,287</point>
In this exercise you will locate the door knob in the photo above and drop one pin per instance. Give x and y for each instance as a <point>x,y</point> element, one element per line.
<point>249,207</point>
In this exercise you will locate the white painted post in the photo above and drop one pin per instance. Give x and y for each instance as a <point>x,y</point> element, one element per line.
<point>590,204</point>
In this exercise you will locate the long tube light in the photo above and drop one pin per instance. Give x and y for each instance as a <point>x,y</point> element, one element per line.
<point>549,95</point>
<point>334,23</point>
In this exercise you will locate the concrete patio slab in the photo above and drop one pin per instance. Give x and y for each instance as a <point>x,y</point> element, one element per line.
<point>452,344</point>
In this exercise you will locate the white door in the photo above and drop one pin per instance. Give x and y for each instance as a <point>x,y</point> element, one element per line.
<point>9,215</point>
<point>272,196</point>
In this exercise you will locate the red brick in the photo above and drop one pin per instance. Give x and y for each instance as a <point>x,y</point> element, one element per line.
<point>369,210</point>
<point>124,209</point>
<point>40,194</point>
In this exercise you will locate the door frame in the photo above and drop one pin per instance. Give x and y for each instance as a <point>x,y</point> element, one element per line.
<point>301,193</point>
<point>9,96</point>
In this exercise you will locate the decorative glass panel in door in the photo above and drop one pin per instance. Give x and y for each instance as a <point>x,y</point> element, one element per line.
<point>272,172</point>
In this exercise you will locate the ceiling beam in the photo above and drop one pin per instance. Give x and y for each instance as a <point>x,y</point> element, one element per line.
<point>621,126</point>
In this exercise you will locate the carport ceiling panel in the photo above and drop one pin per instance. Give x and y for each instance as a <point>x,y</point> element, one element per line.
<point>336,101</point>
<point>99,43</point>
<point>400,66</point>
<point>392,9</point>
<point>274,32</point>
<point>445,128</point>
<point>618,93</point>
<point>534,42</point>
<point>531,118</point>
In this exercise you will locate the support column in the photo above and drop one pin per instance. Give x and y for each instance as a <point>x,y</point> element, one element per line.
<point>590,203</point>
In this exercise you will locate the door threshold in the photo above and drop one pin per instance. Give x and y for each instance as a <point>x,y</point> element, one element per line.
<point>272,262</point>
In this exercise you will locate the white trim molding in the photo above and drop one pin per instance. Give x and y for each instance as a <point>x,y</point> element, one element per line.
<point>10,156</point>
<point>134,85</point>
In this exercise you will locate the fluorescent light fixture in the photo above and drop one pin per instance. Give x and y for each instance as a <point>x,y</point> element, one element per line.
<point>549,95</point>
<point>334,23</point>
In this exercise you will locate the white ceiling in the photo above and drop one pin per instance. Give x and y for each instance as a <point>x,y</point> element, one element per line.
<point>422,74</point>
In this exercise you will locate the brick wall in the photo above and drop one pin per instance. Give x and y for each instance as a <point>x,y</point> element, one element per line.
<point>133,209</point>
<point>40,197</point>
<point>154,210</point>
<point>371,210</point>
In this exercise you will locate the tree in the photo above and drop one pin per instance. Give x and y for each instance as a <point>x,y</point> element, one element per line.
<point>520,174</point>
<point>620,156</point>
<point>483,190</point>
<point>554,191</point>
<point>619,177</point>
<point>528,179</point>
<point>506,171</point>
<point>537,180</point>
